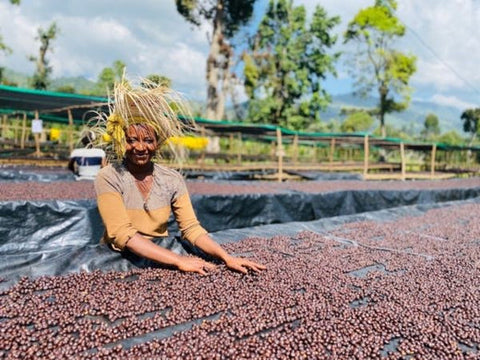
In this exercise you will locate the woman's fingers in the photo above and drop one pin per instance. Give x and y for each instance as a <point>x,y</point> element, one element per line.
<point>242,265</point>
<point>254,266</point>
<point>210,266</point>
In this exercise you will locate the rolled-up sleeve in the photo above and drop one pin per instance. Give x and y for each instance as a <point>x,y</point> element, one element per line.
<point>118,225</point>
<point>185,215</point>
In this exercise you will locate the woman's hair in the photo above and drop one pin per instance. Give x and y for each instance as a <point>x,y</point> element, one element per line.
<point>158,106</point>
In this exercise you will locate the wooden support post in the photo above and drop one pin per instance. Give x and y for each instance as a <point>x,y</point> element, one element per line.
<point>280,154</point>
<point>4,126</point>
<point>295,149</point>
<point>273,151</point>
<point>315,153</point>
<point>15,131</point>
<point>402,156</point>
<point>37,139</point>
<point>230,145</point>
<point>24,131</point>
<point>70,126</point>
<point>332,151</point>
<point>365,155</point>
<point>432,162</point>
<point>239,148</point>
<point>202,155</point>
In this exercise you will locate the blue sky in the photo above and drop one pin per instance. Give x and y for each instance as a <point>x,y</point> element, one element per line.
<point>151,37</point>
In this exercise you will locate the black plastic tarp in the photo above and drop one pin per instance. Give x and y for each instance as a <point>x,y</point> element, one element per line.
<point>57,237</point>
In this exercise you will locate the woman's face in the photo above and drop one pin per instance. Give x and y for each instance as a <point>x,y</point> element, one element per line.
<point>141,144</point>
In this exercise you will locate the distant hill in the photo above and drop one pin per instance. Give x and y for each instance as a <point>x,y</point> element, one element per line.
<point>411,120</point>
<point>79,83</point>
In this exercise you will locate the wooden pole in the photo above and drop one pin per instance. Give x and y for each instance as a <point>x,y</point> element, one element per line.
<point>70,126</point>
<point>37,139</point>
<point>230,145</point>
<point>365,155</point>
<point>315,153</point>
<point>202,155</point>
<point>432,163</point>
<point>4,126</point>
<point>402,156</point>
<point>332,151</point>
<point>280,154</point>
<point>24,131</point>
<point>239,148</point>
<point>295,149</point>
<point>273,151</point>
<point>15,131</point>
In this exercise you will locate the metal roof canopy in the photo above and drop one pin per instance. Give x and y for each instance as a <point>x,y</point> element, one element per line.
<point>51,106</point>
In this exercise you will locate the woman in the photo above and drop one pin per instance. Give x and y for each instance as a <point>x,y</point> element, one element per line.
<point>135,196</point>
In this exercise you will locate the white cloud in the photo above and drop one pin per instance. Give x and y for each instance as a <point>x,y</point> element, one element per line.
<point>152,38</point>
<point>452,101</point>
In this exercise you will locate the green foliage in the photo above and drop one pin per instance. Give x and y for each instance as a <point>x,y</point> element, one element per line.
<point>66,89</point>
<point>287,60</point>
<point>360,121</point>
<point>107,78</point>
<point>394,132</point>
<point>431,126</point>
<point>232,14</point>
<point>4,48</point>
<point>470,119</point>
<point>376,65</point>
<point>40,79</point>
<point>156,80</point>
<point>451,138</point>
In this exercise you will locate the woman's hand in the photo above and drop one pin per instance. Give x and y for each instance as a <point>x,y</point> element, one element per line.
<point>195,264</point>
<point>243,265</point>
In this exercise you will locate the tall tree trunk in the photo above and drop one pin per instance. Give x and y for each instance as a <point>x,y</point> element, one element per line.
<point>383,91</point>
<point>213,65</point>
<point>226,76</point>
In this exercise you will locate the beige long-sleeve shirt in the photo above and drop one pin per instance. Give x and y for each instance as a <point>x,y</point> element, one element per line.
<point>125,212</point>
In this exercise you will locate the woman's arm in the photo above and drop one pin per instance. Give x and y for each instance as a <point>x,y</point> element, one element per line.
<point>148,249</point>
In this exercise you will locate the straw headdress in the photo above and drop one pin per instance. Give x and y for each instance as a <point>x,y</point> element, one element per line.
<point>157,106</point>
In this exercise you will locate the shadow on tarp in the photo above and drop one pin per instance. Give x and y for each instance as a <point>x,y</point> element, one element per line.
<point>23,174</point>
<point>321,175</point>
<point>254,175</point>
<point>58,237</point>
<point>225,175</point>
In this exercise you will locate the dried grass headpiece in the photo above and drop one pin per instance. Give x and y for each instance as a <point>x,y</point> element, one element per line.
<point>157,106</point>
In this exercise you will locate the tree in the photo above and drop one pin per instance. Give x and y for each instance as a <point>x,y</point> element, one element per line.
<point>431,126</point>
<point>108,76</point>
<point>470,119</point>
<point>451,138</point>
<point>40,79</point>
<point>70,89</point>
<point>287,61</point>
<point>360,121</point>
<point>158,80</point>
<point>376,65</point>
<point>226,17</point>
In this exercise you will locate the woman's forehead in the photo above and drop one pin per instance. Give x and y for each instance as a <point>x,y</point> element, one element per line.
<point>140,129</point>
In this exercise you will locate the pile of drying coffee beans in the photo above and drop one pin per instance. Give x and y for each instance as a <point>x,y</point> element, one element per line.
<point>404,289</point>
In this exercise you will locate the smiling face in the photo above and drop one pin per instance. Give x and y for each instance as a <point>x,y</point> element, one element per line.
<point>141,145</point>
